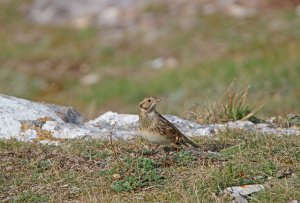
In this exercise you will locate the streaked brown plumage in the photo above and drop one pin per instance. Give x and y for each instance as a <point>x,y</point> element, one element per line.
<point>157,129</point>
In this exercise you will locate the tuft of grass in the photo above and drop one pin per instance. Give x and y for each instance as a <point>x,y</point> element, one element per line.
<point>232,106</point>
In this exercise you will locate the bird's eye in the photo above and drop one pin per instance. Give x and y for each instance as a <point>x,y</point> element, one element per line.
<point>149,100</point>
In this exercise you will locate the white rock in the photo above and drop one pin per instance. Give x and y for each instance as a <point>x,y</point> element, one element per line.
<point>28,121</point>
<point>162,62</point>
<point>90,79</point>
<point>28,135</point>
<point>109,16</point>
<point>157,63</point>
<point>245,190</point>
<point>80,22</point>
<point>9,127</point>
<point>66,130</point>
<point>55,143</point>
<point>61,122</point>
<point>240,193</point>
<point>240,11</point>
<point>21,109</point>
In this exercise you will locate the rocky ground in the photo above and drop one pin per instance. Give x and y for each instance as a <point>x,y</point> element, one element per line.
<point>32,121</point>
<point>29,121</point>
<point>57,50</point>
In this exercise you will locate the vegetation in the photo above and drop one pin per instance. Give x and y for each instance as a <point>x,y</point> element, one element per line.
<point>95,171</point>
<point>232,106</point>
<point>49,64</point>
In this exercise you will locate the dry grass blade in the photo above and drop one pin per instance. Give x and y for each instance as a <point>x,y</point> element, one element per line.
<point>253,112</point>
<point>229,107</point>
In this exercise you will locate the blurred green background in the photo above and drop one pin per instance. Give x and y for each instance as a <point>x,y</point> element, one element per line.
<point>184,66</point>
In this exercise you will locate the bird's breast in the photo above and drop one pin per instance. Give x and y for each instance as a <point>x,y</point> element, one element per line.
<point>155,138</point>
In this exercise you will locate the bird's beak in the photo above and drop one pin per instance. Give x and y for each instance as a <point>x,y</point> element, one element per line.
<point>158,100</point>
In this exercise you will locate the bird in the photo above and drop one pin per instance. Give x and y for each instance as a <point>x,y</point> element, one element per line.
<point>157,129</point>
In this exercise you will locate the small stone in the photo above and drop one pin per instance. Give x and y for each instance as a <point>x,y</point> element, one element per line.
<point>90,79</point>
<point>285,172</point>
<point>157,63</point>
<point>258,177</point>
<point>109,16</point>
<point>80,22</point>
<point>241,192</point>
<point>116,176</point>
<point>268,185</point>
<point>240,11</point>
<point>162,62</point>
<point>9,168</point>
<point>247,189</point>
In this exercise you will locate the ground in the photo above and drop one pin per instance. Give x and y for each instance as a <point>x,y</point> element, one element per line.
<point>101,171</point>
<point>50,64</point>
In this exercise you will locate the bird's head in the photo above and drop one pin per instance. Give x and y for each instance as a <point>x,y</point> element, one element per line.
<point>148,104</point>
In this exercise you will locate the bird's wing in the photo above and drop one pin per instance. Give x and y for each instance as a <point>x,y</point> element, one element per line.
<point>169,130</point>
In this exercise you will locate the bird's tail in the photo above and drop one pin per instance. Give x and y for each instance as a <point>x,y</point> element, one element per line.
<point>191,142</point>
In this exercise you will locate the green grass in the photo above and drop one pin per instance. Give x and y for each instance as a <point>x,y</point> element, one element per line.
<point>142,172</point>
<point>94,171</point>
<point>45,63</point>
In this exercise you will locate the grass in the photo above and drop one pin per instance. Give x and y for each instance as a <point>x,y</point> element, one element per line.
<point>46,63</point>
<point>232,106</point>
<point>90,171</point>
